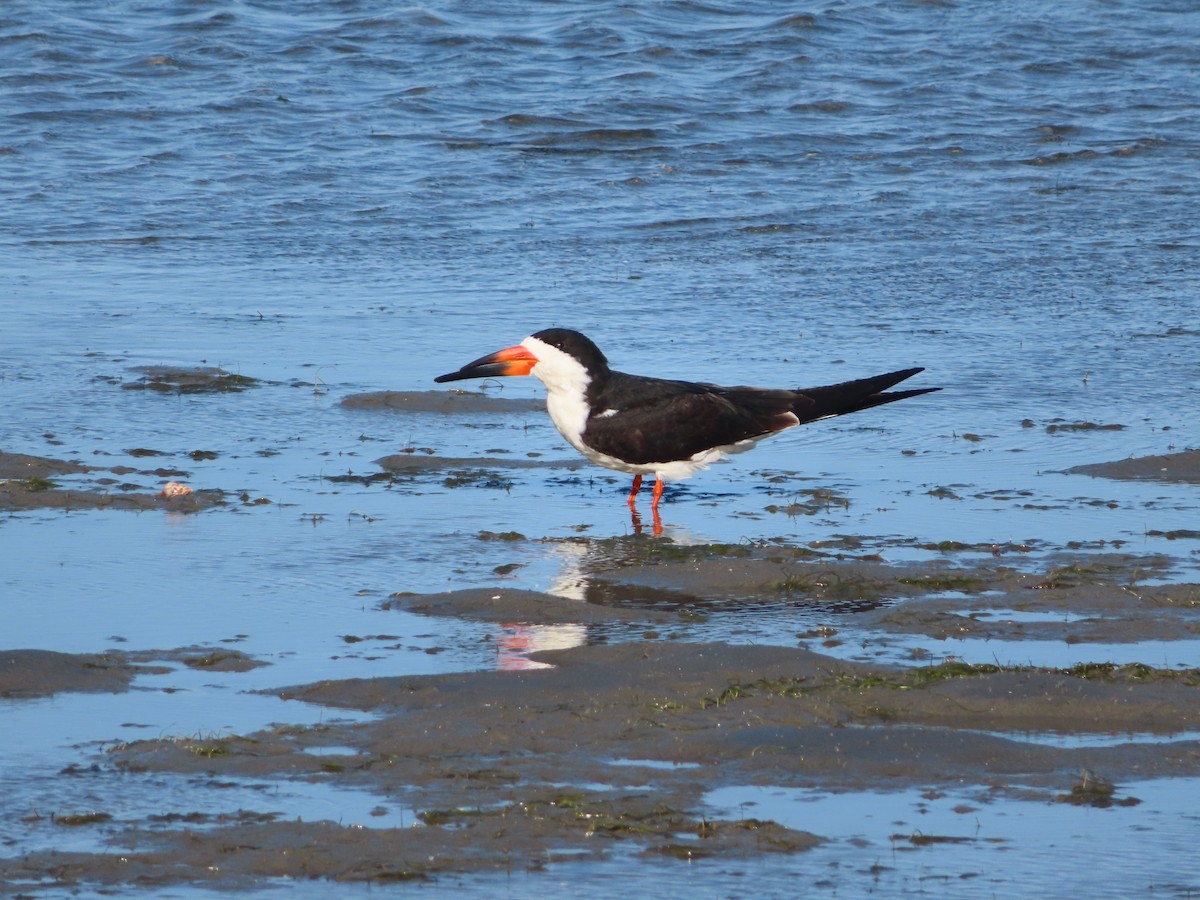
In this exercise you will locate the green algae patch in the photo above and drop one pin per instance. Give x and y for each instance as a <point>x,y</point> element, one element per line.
<point>811,502</point>
<point>183,380</point>
<point>967,584</point>
<point>511,536</point>
<point>221,661</point>
<point>484,478</point>
<point>38,484</point>
<point>835,587</point>
<point>1092,790</point>
<point>1062,426</point>
<point>74,820</point>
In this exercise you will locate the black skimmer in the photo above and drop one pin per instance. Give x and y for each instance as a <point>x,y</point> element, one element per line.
<point>670,429</point>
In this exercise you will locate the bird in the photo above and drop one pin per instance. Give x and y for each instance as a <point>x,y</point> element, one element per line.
<point>667,428</point>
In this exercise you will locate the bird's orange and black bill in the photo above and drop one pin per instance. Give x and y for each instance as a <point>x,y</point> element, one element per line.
<point>509,361</point>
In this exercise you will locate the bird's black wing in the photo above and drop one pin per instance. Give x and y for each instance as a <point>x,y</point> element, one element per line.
<point>649,420</point>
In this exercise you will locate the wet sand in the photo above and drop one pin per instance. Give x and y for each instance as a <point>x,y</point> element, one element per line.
<point>36,482</point>
<point>503,768</point>
<point>452,402</point>
<point>520,769</point>
<point>610,748</point>
<point>1177,467</point>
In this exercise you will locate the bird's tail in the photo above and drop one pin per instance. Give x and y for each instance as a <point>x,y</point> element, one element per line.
<point>851,396</point>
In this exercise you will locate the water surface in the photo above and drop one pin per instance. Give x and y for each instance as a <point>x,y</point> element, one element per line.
<point>345,198</point>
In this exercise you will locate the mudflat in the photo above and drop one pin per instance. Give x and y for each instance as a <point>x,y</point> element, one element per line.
<point>610,748</point>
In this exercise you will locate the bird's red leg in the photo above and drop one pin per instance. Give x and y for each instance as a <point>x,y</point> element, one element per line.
<point>658,489</point>
<point>637,486</point>
<point>659,484</point>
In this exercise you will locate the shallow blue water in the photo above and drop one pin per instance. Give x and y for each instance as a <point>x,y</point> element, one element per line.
<point>350,197</point>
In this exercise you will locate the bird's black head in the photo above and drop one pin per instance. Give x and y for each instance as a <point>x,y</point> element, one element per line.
<point>576,345</point>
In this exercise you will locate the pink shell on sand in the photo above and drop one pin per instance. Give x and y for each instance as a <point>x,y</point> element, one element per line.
<point>175,489</point>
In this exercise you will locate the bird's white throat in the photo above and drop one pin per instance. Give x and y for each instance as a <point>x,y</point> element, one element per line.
<point>566,382</point>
